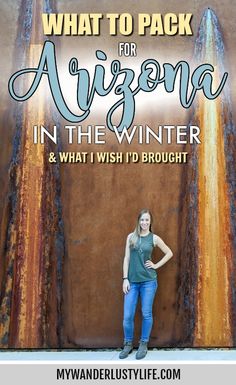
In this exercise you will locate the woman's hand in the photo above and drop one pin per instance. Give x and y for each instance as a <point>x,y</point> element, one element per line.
<point>126,286</point>
<point>150,265</point>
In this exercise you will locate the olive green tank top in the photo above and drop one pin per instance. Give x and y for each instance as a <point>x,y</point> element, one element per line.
<point>138,256</point>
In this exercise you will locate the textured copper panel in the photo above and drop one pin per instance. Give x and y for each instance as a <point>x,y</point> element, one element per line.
<point>100,204</point>
<point>30,313</point>
<point>215,261</point>
<point>213,327</point>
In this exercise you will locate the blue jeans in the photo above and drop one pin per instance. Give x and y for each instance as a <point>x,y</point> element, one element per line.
<point>146,290</point>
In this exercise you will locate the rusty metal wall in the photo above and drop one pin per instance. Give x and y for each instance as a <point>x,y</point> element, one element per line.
<point>100,202</point>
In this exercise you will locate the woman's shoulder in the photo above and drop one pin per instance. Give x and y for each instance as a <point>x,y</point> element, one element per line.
<point>156,239</point>
<point>129,236</point>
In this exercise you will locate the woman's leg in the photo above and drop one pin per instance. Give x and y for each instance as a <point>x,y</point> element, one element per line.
<point>130,303</point>
<point>147,294</point>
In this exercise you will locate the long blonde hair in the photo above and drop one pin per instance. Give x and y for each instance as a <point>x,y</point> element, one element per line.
<point>136,234</point>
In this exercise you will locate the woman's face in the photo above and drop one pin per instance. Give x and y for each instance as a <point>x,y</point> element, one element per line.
<point>145,222</point>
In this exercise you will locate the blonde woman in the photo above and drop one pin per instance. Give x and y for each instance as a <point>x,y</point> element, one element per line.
<point>140,280</point>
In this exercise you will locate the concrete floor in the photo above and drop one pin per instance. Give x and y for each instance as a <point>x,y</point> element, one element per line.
<point>113,355</point>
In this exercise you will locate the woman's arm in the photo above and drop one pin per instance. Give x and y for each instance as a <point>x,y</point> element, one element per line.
<point>168,253</point>
<point>126,284</point>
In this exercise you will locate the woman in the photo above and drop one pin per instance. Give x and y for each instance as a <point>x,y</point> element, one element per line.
<point>140,280</point>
